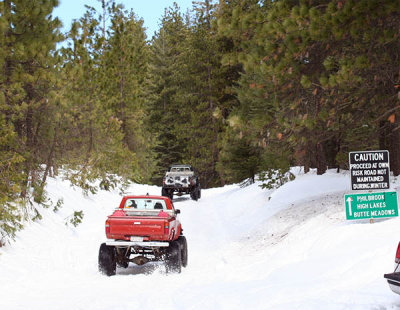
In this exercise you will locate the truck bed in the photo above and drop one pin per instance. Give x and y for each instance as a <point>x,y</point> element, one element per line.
<point>137,226</point>
<point>125,227</point>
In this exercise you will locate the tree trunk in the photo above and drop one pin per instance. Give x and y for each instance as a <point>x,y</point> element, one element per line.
<point>29,175</point>
<point>321,160</point>
<point>123,108</point>
<point>382,135</point>
<point>338,145</point>
<point>49,159</point>
<point>394,151</point>
<point>389,139</point>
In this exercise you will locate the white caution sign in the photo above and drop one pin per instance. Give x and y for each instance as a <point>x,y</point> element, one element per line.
<point>369,170</point>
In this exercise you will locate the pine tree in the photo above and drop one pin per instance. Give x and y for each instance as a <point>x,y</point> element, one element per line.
<point>163,112</point>
<point>95,144</point>
<point>315,78</point>
<point>28,82</point>
<point>241,142</point>
<point>125,78</point>
<point>30,78</point>
<point>10,180</point>
<point>201,83</point>
<point>239,159</point>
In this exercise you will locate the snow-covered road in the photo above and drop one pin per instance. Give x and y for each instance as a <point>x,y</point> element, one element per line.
<point>248,249</point>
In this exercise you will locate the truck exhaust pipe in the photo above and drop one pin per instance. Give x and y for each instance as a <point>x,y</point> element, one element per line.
<point>140,260</point>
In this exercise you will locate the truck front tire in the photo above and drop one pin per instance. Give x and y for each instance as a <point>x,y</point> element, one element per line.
<point>107,263</point>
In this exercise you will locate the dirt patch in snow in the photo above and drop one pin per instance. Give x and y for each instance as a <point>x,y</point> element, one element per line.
<point>279,226</point>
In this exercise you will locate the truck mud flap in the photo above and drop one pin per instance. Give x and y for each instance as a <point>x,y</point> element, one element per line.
<point>394,281</point>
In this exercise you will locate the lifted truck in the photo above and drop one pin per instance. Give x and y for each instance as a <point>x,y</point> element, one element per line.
<point>179,180</point>
<point>143,229</point>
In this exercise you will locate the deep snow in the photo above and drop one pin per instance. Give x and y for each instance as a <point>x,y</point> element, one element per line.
<point>249,248</point>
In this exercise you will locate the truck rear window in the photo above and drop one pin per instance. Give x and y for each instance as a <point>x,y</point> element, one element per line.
<point>180,169</point>
<point>145,204</point>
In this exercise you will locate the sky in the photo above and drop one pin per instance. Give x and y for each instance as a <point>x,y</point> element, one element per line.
<point>150,10</point>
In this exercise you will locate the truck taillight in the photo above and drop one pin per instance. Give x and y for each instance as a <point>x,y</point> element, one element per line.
<point>163,181</point>
<point>397,259</point>
<point>166,228</point>
<point>107,227</point>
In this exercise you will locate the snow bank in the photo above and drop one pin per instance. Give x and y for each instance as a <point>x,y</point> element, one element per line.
<point>289,248</point>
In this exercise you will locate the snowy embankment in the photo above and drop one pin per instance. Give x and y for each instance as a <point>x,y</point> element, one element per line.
<point>249,248</point>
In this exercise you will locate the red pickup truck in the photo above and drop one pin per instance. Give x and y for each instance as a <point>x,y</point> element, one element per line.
<point>394,277</point>
<point>143,229</point>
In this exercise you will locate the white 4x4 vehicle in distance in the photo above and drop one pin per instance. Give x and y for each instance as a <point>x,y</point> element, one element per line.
<point>179,180</point>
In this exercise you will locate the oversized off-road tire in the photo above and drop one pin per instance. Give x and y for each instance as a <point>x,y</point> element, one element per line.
<point>173,258</point>
<point>195,194</point>
<point>107,263</point>
<point>167,193</point>
<point>184,250</point>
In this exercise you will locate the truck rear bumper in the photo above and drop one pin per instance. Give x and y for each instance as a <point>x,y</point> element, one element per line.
<point>176,187</point>
<point>138,243</point>
<point>393,281</point>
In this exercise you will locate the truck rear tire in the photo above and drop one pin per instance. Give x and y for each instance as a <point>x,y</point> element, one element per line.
<point>107,263</point>
<point>166,193</point>
<point>174,258</point>
<point>195,194</point>
<point>184,250</point>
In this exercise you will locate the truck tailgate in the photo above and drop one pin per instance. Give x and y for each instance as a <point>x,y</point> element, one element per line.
<point>136,226</point>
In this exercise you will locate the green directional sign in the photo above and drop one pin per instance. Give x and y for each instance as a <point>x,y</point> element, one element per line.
<point>371,205</point>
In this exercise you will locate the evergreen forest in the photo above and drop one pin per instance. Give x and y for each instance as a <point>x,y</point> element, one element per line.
<point>237,88</point>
